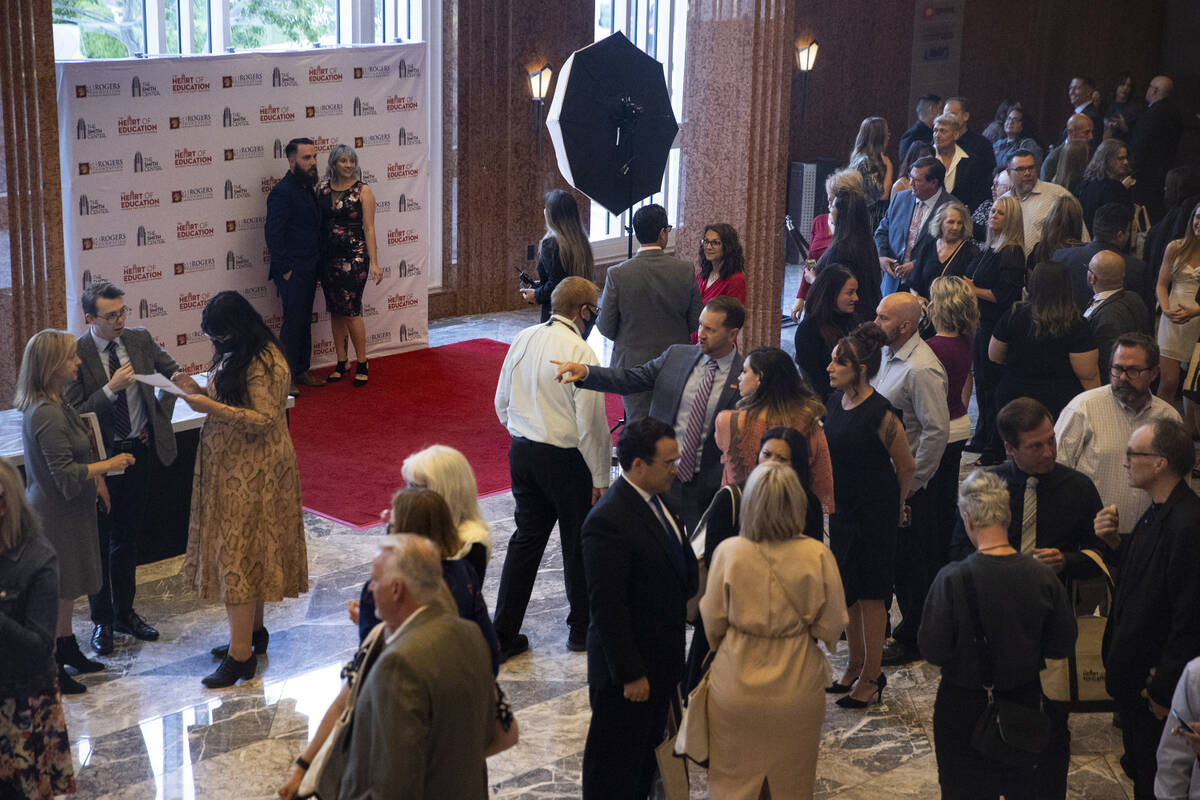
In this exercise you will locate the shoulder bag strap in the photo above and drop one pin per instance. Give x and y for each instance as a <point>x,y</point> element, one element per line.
<point>1096,557</point>
<point>987,665</point>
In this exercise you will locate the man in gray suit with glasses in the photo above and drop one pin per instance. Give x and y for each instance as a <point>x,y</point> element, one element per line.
<point>650,302</point>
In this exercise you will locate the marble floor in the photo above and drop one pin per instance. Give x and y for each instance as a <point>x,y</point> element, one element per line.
<point>146,728</point>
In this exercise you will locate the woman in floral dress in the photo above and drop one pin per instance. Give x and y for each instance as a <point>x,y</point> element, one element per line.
<point>349,258</point>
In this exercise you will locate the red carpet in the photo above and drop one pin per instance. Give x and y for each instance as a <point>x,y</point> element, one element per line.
<point>350,442</point>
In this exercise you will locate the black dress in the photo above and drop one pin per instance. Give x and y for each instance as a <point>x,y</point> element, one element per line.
<point>813,355</point>
<point>550,274</point>
<point>345,262</point>
<point>1003,273</point>
<point>1039,367</point>
<point>928,267</point>
<point>862,533</point>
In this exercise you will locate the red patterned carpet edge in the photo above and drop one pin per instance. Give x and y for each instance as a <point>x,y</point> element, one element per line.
<point>351,441</point>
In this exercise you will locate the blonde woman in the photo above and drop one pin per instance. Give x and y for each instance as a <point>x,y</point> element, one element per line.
<point>446,471</point>
<point>772,594</point>
<point>955,316</point>
<point>996,278</point>
<point>64,483</point>
<point>949,249</point>
<point>1178,283</point>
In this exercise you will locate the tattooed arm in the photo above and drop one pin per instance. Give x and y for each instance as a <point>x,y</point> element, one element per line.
<point>891,433</point>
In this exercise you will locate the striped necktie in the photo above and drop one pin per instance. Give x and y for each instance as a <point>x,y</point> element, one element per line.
<point>120,404</point>
<point>689,455</point>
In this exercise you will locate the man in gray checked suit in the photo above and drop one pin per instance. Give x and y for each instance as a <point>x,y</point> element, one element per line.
<point>650,302</point>
<point>132,420</point>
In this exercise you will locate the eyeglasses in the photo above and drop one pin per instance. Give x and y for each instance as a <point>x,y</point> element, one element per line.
<point>1129,372</point>
<point>710,242</point>
<point>1029,168</point>
<point>1131,453</point>
<point>595,309</point>
<point>113,316</point>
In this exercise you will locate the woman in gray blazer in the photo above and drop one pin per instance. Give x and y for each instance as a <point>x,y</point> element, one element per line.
<point>63,483</point>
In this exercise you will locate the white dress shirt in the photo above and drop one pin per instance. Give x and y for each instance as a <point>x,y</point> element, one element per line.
<point>133,398</point>
<point>952,171</point>
<point>1093,432</point>
<point>690,388</point>
<point>1034,209</point>
<point>1097,299</point>
<point>531,404</point>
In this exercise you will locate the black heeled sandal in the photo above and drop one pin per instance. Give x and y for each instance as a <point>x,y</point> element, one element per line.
<point>337,373</point>
<point>850,701</point>
<point>360,374</point>
<point>841,688</point>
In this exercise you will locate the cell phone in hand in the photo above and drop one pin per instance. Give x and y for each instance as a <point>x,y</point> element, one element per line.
<point>526,281</point>
<point>1182,724</point>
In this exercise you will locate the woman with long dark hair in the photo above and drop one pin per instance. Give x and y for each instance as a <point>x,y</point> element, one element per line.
<point>1062,228</point>
<point>1046,344</point>
<point>828,317</point>
<point>246,533</point>
<point>1106,180</point>
<point>872,467</point>
<point>868,158</point>
<point>722,263</point>
<point>773,394</point>
<point>854,248</point>
<point>564,249</point>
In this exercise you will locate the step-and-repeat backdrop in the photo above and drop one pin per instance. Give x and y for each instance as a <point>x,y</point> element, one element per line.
<point>167,164</point>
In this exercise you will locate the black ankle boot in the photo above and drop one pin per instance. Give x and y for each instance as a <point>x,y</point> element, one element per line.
<point>230,672</point>
<point>259,640</point>
<point>67,684</point>
<point>66,651</point>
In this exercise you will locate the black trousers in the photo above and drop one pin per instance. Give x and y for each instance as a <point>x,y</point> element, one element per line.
<point>963,772</point>
<point>1140,733</point>
<point>295,334</point>
<point>1056,760</point>
<point>118,535</point>
<point>987,378</point>
<point>918,558</point>
<point>618,756</point>
<point>550,484</point>
<point>943,487</point>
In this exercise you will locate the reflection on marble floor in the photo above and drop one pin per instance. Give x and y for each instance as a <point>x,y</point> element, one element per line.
<point>146,728</point>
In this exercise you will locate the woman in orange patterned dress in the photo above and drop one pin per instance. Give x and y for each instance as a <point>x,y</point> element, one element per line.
<point>246,535</point>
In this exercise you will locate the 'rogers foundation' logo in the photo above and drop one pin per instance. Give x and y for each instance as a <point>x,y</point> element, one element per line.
<point>195,265</point>
<point>193,230</point>
<point>374,140</point>
<point>133,126</point>
<point>240,80</point>
<point>139,200</point>
<point>270,113</point>
<point>189,121</point>
<point>399,236</point>
<point>137,273</point>
<point>324,110</point>
<point>105,89</point>
<point>189,84</point>
<point>103,241</point>
<point>324,75</point>
<point>192,194</point>
<point>249,151</point>
<point>101,167</point>
<point>185,157</point>
<point>397,102</point>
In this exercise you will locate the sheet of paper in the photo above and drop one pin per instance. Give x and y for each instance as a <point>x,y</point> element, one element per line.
<point>159,382</point>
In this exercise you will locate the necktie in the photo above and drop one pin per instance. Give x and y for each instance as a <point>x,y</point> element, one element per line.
<point>1029,518</point>
<point>689,455</point>
<point>120,404</point>
<point>914,228</point>
<point>662,517</point>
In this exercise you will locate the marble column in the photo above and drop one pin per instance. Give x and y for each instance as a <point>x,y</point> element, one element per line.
<point>34,199</point>
<point>740,61</point>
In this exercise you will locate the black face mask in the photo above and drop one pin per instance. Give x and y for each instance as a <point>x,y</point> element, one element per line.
<point>588,324</point>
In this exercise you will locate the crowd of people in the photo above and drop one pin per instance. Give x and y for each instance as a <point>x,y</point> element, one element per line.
<point>961,275</point>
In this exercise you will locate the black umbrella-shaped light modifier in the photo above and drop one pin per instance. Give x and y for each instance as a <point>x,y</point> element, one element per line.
<point>612,123</point>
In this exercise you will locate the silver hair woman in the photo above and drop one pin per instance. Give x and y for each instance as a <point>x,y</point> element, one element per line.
<point>350,256</point>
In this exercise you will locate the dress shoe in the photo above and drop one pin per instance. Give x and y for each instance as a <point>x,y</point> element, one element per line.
<point>513,647</point>
<point>67,684</point>
<point>230,672</point>
<point>896,653</point>
<point>102,639</point>
<point>850,701</point>
<point>577,644</point>
<point>306,378</point>
<point>258,640</point>
<point>136,627</point>
<point>66,652</point>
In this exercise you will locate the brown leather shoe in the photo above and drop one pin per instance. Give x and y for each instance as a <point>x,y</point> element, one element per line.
<point>306,378</point>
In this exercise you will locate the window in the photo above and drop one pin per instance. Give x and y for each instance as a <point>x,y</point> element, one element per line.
<point>99,28</point>
<point>658,27</point>
<point>270,24</point>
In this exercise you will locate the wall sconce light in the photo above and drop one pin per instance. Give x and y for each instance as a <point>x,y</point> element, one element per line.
<point>539,87</point>
<point>806,56</point>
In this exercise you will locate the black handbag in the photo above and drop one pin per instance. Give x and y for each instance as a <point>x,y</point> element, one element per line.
<point>1007,731</point>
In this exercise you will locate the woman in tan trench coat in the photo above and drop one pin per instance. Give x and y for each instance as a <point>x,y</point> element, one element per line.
<point>772,594</point>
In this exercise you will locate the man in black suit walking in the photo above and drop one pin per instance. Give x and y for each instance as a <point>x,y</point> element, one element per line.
<point>1153,143</point>
<point>640,574</point>
<point>293,232</point>
<point>689,385</point>
<point>1154,627</point>
<point>132,420</point>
